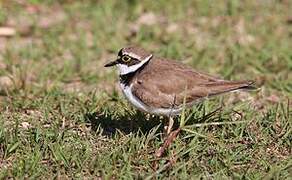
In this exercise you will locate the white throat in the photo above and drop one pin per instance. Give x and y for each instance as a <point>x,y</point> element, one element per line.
<point>124,69</point>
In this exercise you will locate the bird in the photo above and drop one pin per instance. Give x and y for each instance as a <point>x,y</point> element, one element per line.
<point>164,87</point>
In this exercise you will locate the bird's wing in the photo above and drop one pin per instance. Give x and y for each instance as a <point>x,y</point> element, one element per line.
<point>172,83</point>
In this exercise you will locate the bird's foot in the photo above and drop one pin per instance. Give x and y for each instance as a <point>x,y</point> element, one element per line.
<point>161,151</point>
<point>169,139</point>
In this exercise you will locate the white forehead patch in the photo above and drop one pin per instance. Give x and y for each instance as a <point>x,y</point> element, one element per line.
<point>124,69</point>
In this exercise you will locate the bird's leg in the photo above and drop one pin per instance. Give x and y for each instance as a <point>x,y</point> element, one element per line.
<point>170,135</point>
<point>170,125</point>
<point>168,128</point>
<point>170,138</point>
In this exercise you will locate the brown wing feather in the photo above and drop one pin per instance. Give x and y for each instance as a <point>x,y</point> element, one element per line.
<point>164,84</point>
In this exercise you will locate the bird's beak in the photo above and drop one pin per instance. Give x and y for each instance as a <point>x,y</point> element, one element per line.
<point>112,63</point>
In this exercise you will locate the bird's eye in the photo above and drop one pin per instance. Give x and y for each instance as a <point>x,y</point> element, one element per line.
<point>126,58</point>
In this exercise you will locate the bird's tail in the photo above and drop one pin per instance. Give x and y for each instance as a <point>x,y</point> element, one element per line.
<point>220,87</point>
<point>245,85</point>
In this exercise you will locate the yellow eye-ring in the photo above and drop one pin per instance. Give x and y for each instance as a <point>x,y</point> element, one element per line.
<point>126,58</point>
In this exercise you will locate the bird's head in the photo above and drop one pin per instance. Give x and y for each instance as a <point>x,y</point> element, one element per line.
<point>130,59</point>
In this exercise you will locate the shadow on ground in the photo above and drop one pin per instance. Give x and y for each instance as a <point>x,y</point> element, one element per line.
<point>126,124</point>
<point>140,122</point>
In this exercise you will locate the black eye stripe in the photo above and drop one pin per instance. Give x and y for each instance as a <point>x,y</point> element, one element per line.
<point>131,58</point>
<point>130,61</point>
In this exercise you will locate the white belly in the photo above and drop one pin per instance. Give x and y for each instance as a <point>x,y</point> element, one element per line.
<point>143,107</point>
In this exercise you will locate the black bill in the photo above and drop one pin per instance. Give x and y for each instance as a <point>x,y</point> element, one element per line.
<point>111,63</point>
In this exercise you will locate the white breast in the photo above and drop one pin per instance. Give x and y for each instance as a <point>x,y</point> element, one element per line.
<point>141,106</point>
<point>133,99</point>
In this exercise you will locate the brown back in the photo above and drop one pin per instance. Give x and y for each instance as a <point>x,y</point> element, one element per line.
<point>165,84</point>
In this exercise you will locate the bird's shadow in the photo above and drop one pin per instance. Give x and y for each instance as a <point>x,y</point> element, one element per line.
<point>110,123</point>
<point>128,123</point>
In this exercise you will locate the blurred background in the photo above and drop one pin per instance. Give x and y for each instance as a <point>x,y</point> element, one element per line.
<point>52,83</point>
<point>56,41</point>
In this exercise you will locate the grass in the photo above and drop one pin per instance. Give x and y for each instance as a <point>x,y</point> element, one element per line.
<point>63,116</point>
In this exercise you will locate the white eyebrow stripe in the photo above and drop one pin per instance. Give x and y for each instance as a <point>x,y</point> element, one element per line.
<point>132,55</point>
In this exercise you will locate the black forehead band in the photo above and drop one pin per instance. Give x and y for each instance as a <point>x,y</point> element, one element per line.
<point>120,52</point>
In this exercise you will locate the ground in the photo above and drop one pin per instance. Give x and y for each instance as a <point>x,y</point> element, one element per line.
<point>62,114</point>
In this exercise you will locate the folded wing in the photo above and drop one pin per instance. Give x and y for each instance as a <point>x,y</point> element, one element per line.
<point>173,82</point>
